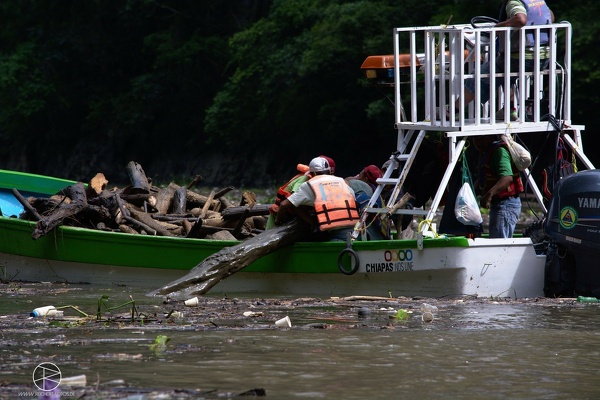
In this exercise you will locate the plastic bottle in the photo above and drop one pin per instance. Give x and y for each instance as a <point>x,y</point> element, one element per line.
<point>428,308</point>
<point>583,299</point>
<point>55,313</point>
<point>41,311</point>
<point>427,317</point>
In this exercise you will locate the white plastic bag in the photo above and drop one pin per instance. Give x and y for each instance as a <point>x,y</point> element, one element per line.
<point>466,208</point>
<point>518,153</point>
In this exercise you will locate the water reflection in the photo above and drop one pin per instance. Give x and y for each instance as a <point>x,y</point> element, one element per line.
<point>470,350</point>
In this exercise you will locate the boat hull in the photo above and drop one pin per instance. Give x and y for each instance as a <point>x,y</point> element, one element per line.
<point>444,266</point>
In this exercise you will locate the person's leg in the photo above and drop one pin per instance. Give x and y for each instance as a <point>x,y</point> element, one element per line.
<point>504,215</point>
<point>339,235</point>
<point>374,231</point>
<point>484,84</point>
<point>469,94</point>
<point>514,66</point>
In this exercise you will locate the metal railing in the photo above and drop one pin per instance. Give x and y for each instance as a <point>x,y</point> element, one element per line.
<point>447,55</point>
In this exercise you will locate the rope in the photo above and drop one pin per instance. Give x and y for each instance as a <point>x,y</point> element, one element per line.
<point>430,223</point>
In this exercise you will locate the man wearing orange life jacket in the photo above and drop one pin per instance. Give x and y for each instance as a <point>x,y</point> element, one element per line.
<point>290,187</point>
<point>324,201</point>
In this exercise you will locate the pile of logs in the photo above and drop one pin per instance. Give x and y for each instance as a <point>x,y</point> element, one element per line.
<point>142,208</point>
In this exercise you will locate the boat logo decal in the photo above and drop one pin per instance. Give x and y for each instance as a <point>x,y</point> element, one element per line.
<point>568,217</point>
<point>395,261</point>
<point>398,255</point>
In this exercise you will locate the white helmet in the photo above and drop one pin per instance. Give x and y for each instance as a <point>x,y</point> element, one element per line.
<point>319,165</point>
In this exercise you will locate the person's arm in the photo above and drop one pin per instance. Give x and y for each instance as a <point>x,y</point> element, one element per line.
<point>304,212</point>
<point>294,203</point>
<point>282,211</point>
<point>516,15</point>
<point>502,184</point>
<point>519,20</point>
<point>301,211</point>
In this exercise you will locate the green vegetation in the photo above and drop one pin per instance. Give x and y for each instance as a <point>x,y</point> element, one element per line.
<point>236,91</point>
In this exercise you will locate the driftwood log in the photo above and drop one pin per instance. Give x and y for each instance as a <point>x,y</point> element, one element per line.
<point>165,197</point>
<point>145,220</point>
<point>197,179</point>
<point>141,208</point>
<point>230,260</point>
<point>179,200</point>
<point>207,204</point>
<point>28,207</point>
<point>223,192</point>
<point>138,178</point>
<point>236,212</point>
<point>67,209</point>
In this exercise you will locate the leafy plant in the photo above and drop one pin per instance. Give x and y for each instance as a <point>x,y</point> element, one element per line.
<point>402,315</point>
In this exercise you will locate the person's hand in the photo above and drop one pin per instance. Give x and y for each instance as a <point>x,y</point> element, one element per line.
<point>274,208</point>
<point>486,200</point>
<point>279,217</point>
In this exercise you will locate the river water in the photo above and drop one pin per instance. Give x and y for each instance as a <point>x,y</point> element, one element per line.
<point>474,348</point>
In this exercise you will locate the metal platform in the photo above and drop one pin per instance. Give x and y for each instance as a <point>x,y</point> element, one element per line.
<point>429,95</point>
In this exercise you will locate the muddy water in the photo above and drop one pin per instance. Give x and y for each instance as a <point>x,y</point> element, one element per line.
<point>335,349</point>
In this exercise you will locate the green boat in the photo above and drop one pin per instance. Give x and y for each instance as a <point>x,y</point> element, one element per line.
<point>80,255</point>
<point>430,264</point>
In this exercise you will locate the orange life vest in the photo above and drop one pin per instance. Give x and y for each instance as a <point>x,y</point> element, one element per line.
<point>284,192</point>
<point>335,205</point>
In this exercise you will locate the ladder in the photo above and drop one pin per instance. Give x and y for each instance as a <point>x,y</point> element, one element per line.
<point>401,160</point>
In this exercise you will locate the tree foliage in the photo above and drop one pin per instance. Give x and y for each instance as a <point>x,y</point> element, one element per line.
<point>89,85</point>
<point>237,91</point>
<point>295,89</point>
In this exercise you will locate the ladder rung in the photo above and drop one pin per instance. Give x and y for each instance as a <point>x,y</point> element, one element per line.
<point>412,211</point>
<point>387,181</point>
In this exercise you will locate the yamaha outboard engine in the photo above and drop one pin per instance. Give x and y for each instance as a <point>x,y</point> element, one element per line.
<point>573,224</point>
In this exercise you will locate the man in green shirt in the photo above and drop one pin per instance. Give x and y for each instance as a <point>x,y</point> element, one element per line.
<point>499,183</point>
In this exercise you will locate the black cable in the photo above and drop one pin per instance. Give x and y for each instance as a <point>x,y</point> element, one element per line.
<point>556,125</point>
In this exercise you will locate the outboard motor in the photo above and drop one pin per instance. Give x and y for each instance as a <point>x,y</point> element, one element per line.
<point>573,224</point>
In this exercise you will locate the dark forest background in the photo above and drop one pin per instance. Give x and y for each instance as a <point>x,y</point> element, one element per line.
<point>236,91</point>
